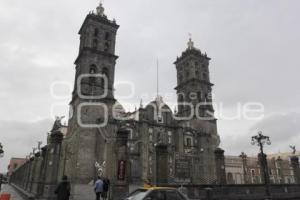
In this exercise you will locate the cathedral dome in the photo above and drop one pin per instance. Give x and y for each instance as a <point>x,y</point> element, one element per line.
<point>159,111</point>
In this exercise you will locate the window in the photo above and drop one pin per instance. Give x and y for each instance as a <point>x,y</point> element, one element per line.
<point>188,141</point>
<point>199,95</point>
<point>96,32</point>
<point>187,74</point>
<point>95,44</point>
<point>93,69</point>
<point>15,165</point>
<point>105,72</point>
<point>104,80</point>
<point>180,79</point>
<point>107,36</point>
<point>106,46</point>
<point>204,76</point>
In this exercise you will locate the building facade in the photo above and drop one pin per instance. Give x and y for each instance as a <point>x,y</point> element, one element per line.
<point>152,143</point>
<point>14,163</point>
<point>247,170</point>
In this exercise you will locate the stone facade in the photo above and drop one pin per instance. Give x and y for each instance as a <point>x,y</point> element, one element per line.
<point>162,146</point>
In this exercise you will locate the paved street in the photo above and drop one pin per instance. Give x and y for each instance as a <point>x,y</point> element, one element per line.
<point>14,194</point>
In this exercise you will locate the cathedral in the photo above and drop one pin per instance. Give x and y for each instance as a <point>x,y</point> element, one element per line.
<point>152,143</point>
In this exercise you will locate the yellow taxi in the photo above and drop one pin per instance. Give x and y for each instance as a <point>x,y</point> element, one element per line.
<point>156,193</point>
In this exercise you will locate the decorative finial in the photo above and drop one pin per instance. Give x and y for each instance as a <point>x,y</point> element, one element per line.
<point>141,103</point>
<point>100,9</point>
<point>293,148</point>
<point>190,43</point>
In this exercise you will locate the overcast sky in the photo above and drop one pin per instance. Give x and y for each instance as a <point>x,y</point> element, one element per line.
<point>254,46</point>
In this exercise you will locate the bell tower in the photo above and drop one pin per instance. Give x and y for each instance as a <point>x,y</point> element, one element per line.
<point>95,64</point>
<point>193,83</point>
<point>92,101</point>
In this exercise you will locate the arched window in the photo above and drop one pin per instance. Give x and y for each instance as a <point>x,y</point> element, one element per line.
<point>95,44</point>
<point>105,71</point>
<point>106,46</point>
<point>106,74</point>
<point>96,32</point>
<point>230,178</point>
<point>199,95</point>
<point>180,79</point>
<point>107,36</point>
<point>187,74</point>
<point>93,69</point>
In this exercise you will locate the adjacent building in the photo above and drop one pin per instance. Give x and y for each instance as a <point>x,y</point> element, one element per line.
<point>247,170</point>
<point>14,164</point>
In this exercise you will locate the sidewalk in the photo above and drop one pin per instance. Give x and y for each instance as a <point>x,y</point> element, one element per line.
<point>14,194</point>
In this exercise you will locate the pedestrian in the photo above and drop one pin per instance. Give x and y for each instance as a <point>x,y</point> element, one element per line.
<point>1,177</point>
<point>63,190</point>
<point>98,188</point>
<point>106,184</point>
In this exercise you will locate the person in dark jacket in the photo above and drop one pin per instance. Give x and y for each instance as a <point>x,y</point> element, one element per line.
<point>106,184</point>
<point>63,190</point>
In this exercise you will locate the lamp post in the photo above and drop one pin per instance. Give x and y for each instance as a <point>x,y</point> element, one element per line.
<point>260,140</point>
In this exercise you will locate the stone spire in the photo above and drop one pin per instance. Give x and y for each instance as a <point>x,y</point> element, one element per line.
<point>100,9</point>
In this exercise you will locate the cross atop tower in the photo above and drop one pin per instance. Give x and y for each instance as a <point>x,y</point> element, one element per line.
<point>100,9</point>
<point>190,43</point>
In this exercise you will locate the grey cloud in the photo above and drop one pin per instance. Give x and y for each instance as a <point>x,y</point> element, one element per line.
<point>18,137</point>
<point>283,130</point>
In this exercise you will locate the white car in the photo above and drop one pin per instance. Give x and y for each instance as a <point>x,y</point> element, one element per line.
<point>156,193</point>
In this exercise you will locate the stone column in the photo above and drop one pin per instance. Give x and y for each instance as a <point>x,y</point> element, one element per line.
<point>33,172</point>
<point>36,176</point>
<point>246,176</point>
<point>220,166</point>
<point>120,185</point>
<point>41,179</point>
<point>296,170</point>
<point>52,165</point>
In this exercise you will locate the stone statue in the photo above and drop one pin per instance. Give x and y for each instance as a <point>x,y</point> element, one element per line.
<point>293,148</point>
<point>100,168</point>
<point>57,123</point>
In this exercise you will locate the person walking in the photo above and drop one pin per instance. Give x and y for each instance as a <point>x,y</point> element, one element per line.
<point>98,188</point>
<point>1,177</point>
<point>106,184</point>
<point>63,190</point>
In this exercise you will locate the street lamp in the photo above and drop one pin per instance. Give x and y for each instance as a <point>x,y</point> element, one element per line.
<point>261,140</point>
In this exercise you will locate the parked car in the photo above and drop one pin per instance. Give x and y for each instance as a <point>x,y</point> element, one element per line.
<point>156,193</point>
